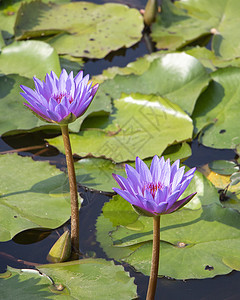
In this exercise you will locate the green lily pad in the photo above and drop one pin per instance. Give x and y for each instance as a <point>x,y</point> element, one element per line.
<point>30,194</point>
<point>208,234</point>
<point>224,167</point>
<point>70,63</point>
<point>210,60</point>
<point>81,29</point>
<point>186,21</point>
<point>176,76</point>
<point>82,279</point>
<point>96,173</point>
<point>216,113</point>
<point>29,58</point>
<point>141,125</point>
<point>11,103</point>
<point>8,14</point>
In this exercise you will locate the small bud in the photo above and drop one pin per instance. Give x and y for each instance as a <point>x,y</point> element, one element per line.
<point>151,11</point>
<point>61,250</point>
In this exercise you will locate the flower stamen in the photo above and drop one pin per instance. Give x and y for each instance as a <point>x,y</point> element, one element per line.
<point>58,97</point>
<point>152,187</point>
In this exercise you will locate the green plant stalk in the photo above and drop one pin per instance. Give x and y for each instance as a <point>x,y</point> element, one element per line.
<point>155,259</point>
<point>73,190</point>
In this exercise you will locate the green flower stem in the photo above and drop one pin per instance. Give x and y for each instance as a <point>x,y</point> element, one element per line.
<point>73,190</point>
<point>155,259</point>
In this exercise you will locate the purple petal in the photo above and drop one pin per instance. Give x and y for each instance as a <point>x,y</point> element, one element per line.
<point>78,78</point>
<point>62,111</point>
<point>161,195</point>
<point>155,169</point>
<point>62,81</point>
<point>133,177</point>
<point>52,104</point>
<point>161,208</point>
<point>36,111</point>
<point>166,173</point>
<point>143,170</point>
<point>28,91</point>
<point>189,173</point>
<point>53,116</point>
<point>124,184</point>
<point>148,196</point>
<point>174,169</point>
<point>127,196</point>
<point>70,86</point>
<point>173,198</point>
<point>179,204</point>
<point>149,206</point>
<point>178,177</point>
<point>183,186</point>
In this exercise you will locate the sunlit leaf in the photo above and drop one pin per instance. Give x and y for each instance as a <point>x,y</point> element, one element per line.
<point>30,194</point>
<point>81,29</point>
<point>224,167</point>
<point>140,125</point>
<point>216,113</point>
<point>82,279</point>
<point>29,58</point>
<point>96,173</point>
<point>176,76</point>
<point>208,234</point>
<point>183,22</point>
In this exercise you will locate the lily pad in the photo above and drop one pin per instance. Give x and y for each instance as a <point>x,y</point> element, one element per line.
<point>216,113</point>
<point>30,194</point>
<point>8,14</point>
<point>96,173</point>
<point>81,29</point>
<point>210,60</point>
<point>82,279</point>
<point>224,167</point>
<point>188,21</point>
<point>208,234</point>
<point>176,76</point>
<point>11,103</point>
<point>29,58</point>
<point>141,125</point>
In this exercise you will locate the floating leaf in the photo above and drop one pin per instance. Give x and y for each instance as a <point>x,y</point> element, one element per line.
<point>80,28</point>
<point>96,173</point>
<point>176,76</point>
<point>141,125</point>
<point>187,21</point>
<point>210,60</point>
<point>82,279</point>
<point>70,63</point>
<point>224,167</point>
<point>30,194</point>
<point>216,113</point>
<point>8,14</point>
<point>210,234</point>
<point>29,58</point>
<point>92,279</point>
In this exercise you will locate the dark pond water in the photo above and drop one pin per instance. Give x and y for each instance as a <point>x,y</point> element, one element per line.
<point>32,246</point>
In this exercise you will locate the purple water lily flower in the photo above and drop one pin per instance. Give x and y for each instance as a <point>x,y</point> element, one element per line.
<point>60,100</point>
<point>155,191</point>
